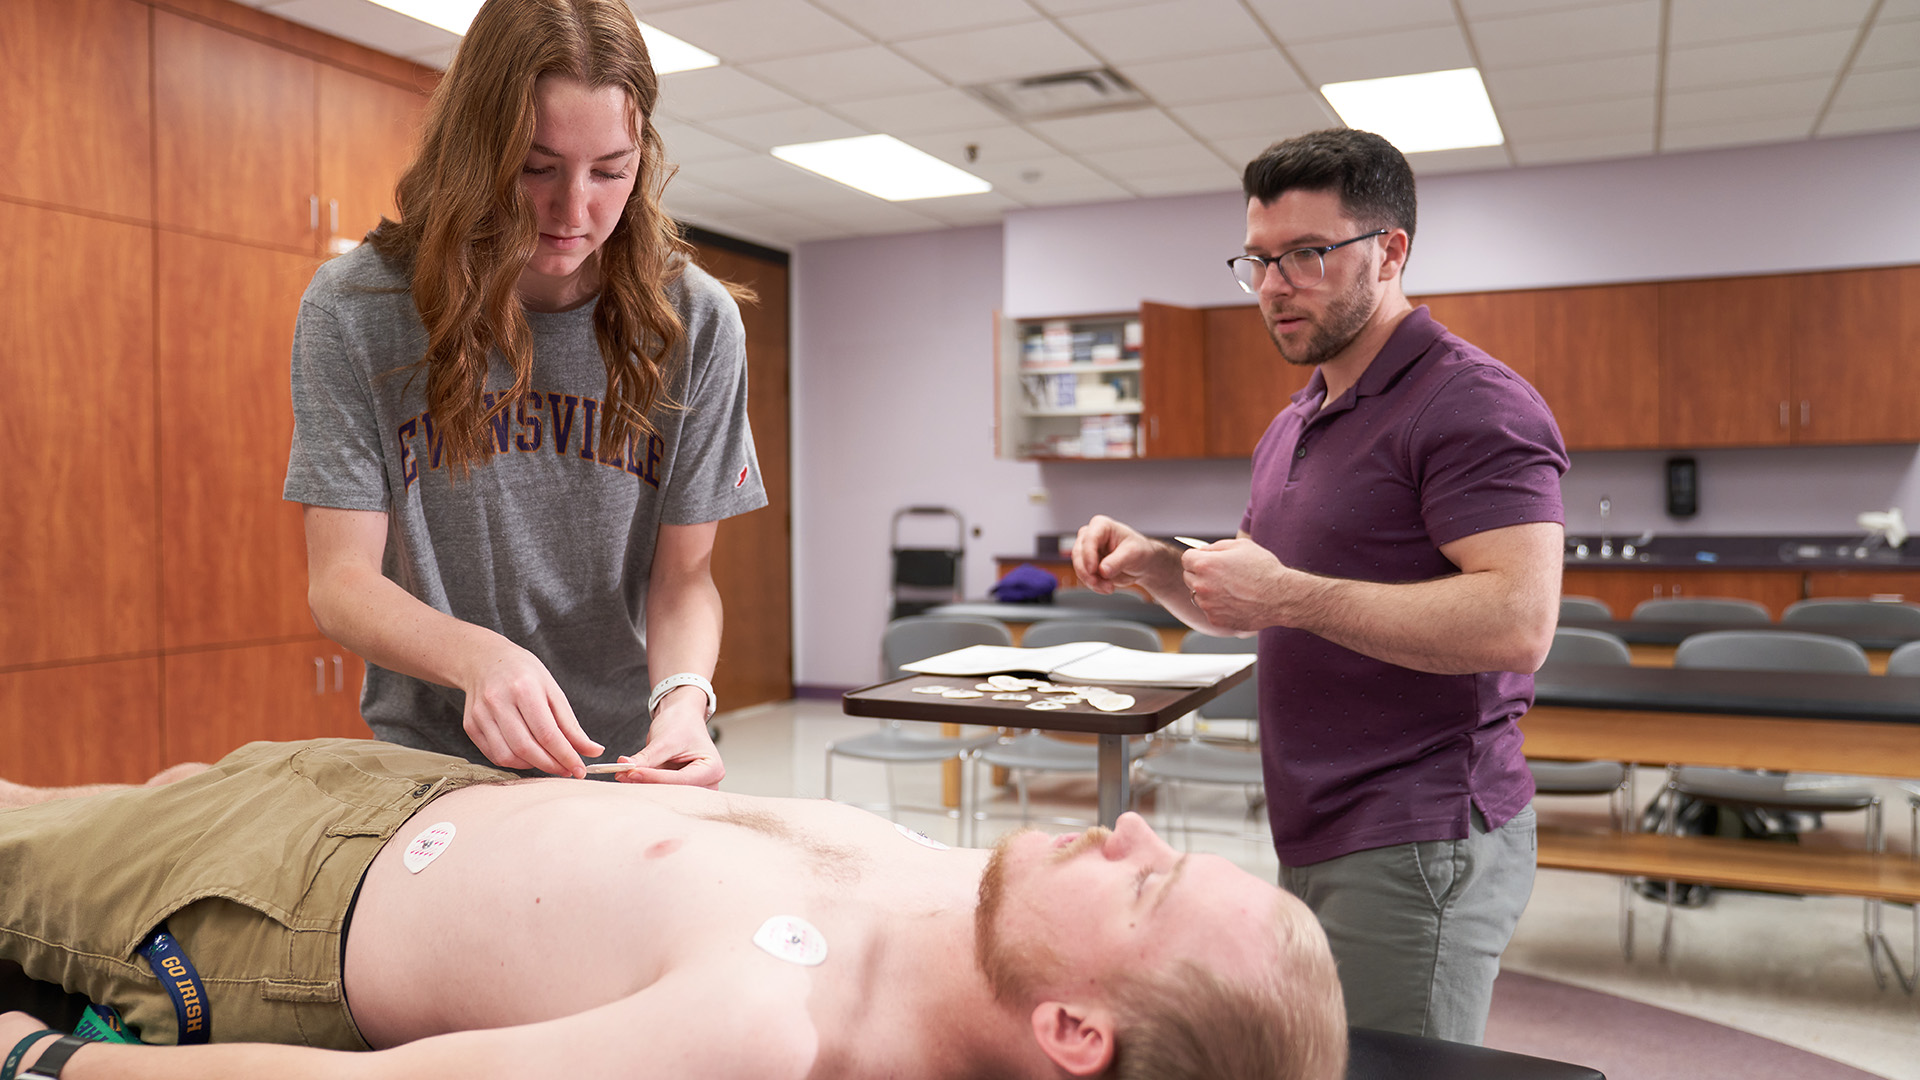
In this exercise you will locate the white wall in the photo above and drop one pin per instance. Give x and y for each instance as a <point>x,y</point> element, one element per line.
<point>893,353</point>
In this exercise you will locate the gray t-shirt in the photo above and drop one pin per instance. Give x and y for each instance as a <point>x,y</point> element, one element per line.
<point>551,540</point>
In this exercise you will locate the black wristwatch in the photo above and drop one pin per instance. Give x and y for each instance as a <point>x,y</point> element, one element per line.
<point>54,1058</point>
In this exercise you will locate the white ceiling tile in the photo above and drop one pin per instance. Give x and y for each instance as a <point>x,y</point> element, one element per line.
<point>1892,117</point>
<point>369,24</point>
<point>1399,52</point>
<point>1891,44</point>
<point>1295,21</point>
<point>1574,81</point>
<point>915,114</point>
<point>1794,101</point>
<point>761,177</point>
<point>1227,76</point>
<point>763,131</point>
<point>1571,34</point>
<point>1110,130</point>
<point>1075,7</point>
<point>1873,89</point>
<point>1595,148</point>
<point>990,145</point>
<point>437,57</point>
<point>1765,129</point>
<point>1498,9</point>
<point>1699,22</point>
<point>1191,157</point>
<point>877,216</point>
<point>1899,10</point>
<point>1580,120</point>
<point>1473,159</point>
<point>1768,59</point>
<point>741,30</point>
<point>771,229</point>
<point>1050,181</point>
<point>1185,183</point>
<point>983,209</point>
<point>686,197</point>
<point>892,20</point>
<point>1003,52</point>
<point>1168,29</point>
<point>1274,117</point>
<point>1243,148</point>
<point>719,91</point>
<point>686,143</point>
<point>844,74</point>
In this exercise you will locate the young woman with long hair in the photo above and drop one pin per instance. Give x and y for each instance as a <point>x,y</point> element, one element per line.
<point>520,413</point>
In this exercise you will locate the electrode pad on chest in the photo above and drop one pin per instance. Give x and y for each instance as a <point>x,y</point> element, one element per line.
<point>793,939</point>
<point>919,837</point>
<point>427,846</point>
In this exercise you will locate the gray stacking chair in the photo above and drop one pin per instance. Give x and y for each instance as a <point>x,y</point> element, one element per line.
<point>1725,609</point>
<point>1117,603</point>
<point>1196,758</point>
<point>1584,607</point>
<point>1905,660</point>
<point>916,637</point>
<point>1032,751</point>
<point>1736,789</point>
<point>1883,615</point>
<point>1614,779</point>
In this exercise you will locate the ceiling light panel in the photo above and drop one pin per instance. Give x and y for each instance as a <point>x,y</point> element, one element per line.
<point>1436,110</point>
<point>884,166</point>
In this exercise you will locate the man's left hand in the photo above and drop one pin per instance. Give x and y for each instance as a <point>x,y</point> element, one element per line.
<point>679,750</point>
<point>1237,584</point>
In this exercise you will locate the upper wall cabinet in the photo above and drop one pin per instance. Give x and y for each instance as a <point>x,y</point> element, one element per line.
<point>1248,382</point>
<point>1125,385</point>
<point>1598,364</point>
<point>367,133</point>
<point>74,105</point>
<point>1856,356</point>
<point>1726,362</point>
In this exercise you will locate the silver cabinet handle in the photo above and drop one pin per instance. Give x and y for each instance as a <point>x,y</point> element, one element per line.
<point>1806,413</point>
<point>313,212</point>
<point>339,666</point>
<point>1783,415</point>
<point>319,676</point>
<point>333,216</point>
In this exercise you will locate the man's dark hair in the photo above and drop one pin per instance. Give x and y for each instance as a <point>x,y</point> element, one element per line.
<point>1372,176</point>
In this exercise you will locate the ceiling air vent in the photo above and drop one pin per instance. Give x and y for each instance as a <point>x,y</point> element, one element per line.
<point>1065,93</point>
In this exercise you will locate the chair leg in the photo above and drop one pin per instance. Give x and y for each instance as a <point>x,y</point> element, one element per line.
<point>1020,787</point>
<point>1669,825</point>
<point>1870,907</point>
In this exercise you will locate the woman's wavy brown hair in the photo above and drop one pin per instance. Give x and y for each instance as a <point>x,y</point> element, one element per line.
<point>466,228</point>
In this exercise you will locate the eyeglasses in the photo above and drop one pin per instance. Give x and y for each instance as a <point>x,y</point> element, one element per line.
<point>1303,268</point>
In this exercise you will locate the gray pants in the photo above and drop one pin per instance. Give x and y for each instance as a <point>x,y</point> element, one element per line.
<point>1418,929</point>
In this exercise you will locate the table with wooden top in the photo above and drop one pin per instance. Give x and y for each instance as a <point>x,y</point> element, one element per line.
<point>1153,708</point>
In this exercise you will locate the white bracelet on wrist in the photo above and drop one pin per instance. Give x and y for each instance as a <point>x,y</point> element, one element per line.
<point>674,682</point>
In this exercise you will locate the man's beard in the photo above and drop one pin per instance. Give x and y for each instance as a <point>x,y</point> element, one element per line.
<point>1346,315</point>
<point>1014,970</point>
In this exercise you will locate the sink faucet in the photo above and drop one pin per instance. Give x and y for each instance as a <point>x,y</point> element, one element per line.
<point>1606,531</point>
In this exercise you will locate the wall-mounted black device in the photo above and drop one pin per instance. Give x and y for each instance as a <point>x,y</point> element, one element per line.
<point>1683,487</point>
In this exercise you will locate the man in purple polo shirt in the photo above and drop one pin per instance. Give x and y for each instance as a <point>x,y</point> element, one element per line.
<point>1400,560</point>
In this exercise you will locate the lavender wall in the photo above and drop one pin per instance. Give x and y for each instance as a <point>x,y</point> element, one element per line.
<point>894,343</point>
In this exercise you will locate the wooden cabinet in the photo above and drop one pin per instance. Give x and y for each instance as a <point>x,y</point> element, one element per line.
<point>219,699</point>
<point>1503,324</point>
<point>234,149</point>
<point>1248,381</point>
<point>367,130</point>
<point>1597,351</point>
<point>234,552</point>
<point>1863,584</point>
<point>1123,385</point>
<point>82,723</point>
<point>74,105</point>
<point>1623,588</point>
<point>76,354</point>
<point>1173,381</point>
<point>1856,342</point>
<point>1727,361</point>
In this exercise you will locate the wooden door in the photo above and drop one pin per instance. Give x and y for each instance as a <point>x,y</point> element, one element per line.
<point>82,723</point>
<point>76,356</point>
<point>1248,381</point>
<point>233,136</point>
<point>1173,381</point>
<point>74,104</point>
<point>1856,356</point>
<point>1624,588</point>
<point>234,553</point>
<point>752,557</point>
<point>1726,361</point>
<point>1502,324</point>
<point>1599,364</point>
<point>218,699</point>
<point>367,130</point>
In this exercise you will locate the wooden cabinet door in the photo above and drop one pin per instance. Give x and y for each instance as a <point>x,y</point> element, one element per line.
<point>77,466</point>
<point>74,103</point>
<point>752,564</point>
<point>1623,588</point>
<point>233,136</point>
<point>1865,584</point>
<point>1173,381</point>
<point>1502,324</point>
<point>234,552</point>
<point>219,699</point>
<point>1726,361</point>
<point>82,724</point>
<point>1599,364</point>
<point>1248,381</point>
<point>1856,355</point>
<point>367,130</point>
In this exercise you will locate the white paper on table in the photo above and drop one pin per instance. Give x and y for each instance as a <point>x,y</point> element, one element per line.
<point>1089,662</point>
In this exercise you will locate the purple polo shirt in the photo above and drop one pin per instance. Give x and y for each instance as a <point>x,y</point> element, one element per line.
<point>1437,441</point>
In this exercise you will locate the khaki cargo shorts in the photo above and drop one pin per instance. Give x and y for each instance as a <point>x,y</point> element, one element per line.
<point>252,865</point>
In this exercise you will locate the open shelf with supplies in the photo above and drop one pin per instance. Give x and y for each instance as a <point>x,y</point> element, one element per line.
<point>1118,385</point>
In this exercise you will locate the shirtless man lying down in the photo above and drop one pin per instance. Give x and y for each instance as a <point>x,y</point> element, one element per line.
<point>348,895</point>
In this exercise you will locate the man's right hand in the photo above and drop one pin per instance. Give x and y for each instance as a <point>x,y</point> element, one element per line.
<point>519,717</point>
<point>1108,555</point>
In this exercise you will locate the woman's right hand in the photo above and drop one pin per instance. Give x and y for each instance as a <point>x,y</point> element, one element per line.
<point>517,715</point>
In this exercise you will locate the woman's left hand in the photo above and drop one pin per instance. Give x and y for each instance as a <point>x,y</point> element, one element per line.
<point>679,750</point>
